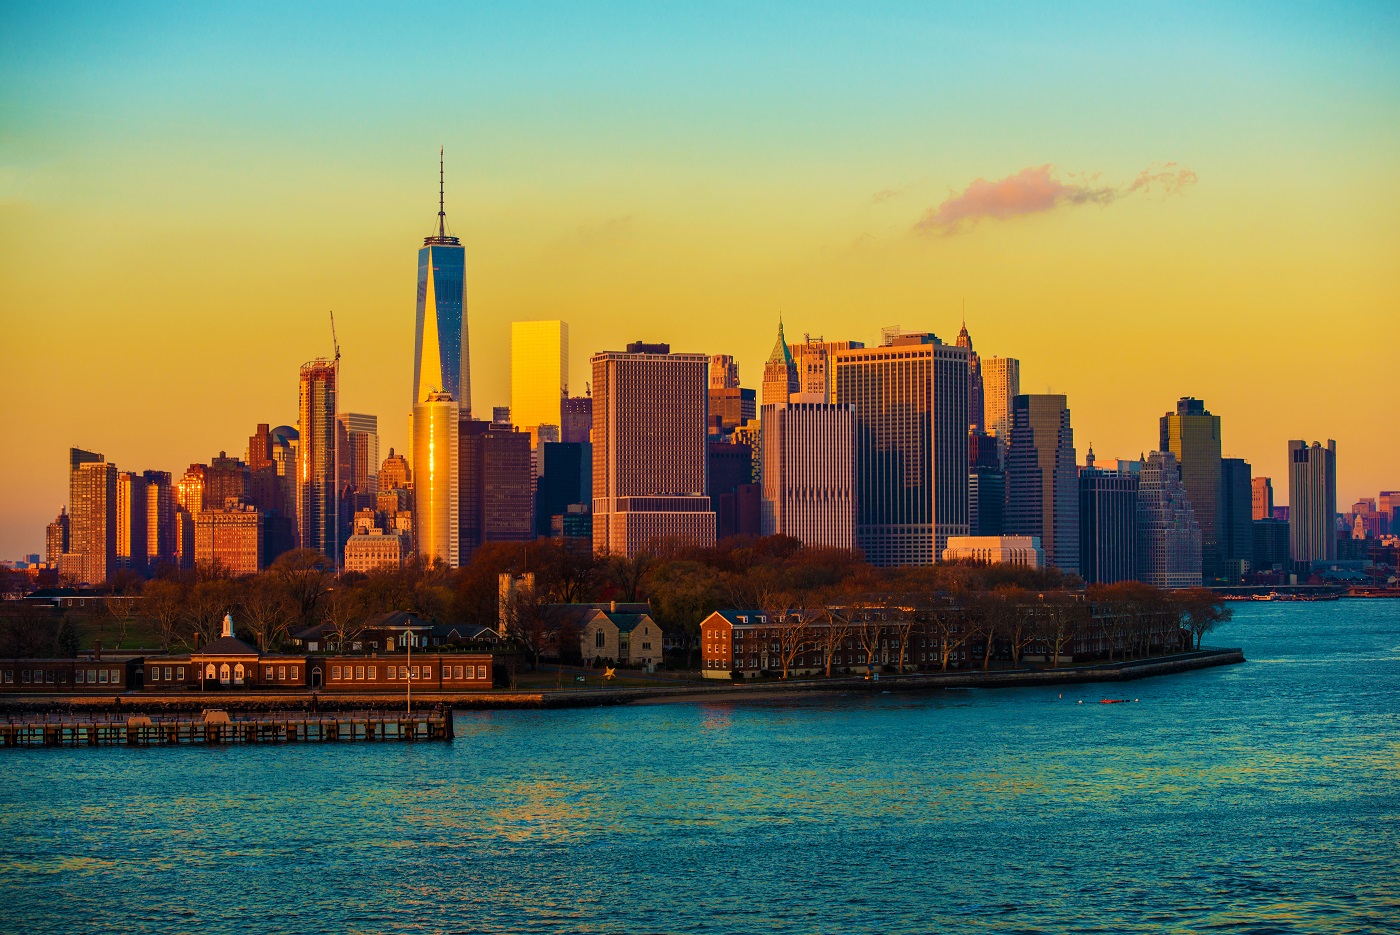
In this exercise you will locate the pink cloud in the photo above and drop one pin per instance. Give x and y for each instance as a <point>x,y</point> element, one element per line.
<point>1034,190</point>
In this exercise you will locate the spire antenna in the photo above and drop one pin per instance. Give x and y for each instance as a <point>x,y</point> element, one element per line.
<point>442,214</point>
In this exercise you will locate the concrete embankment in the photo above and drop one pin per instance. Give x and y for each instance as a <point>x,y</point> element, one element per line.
<point>716,692</point>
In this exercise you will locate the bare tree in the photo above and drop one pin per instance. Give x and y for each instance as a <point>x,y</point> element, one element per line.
<point>206,606</point>
<point>901,622</point>
<point>832,637</point>
<point>793,629</point>
<point>122,610</point>
<point>1060,624</point>
<point>164,606</point>
<point>869,627</point>
<point>345,617</point>
<point>950,627</point>
<point>1020,623</point>
<point>627,574</point>
<point>304,575</point>
<point>265,610</point>
<point>532,622</point>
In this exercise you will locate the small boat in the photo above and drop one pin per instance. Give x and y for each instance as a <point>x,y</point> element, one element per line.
<point>1113,701</point>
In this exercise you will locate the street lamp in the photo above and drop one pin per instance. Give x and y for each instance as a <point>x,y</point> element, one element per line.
<point>408,665</point>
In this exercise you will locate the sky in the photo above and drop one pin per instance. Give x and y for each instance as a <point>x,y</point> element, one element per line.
<point>1140,202</point>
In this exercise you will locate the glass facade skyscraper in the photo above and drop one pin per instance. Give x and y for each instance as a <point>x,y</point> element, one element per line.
<point>1192,433</point>
<point>539,372</point>
<point>318,510</point>
<point>1042,478</point>
<point>441,358</point>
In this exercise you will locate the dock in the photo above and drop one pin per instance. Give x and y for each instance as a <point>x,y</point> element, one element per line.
<point>220,727</point>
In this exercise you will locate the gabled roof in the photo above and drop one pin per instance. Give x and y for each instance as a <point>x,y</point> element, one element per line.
<point>625,623</point>
<point>227,646</point>
<point>732,615</point>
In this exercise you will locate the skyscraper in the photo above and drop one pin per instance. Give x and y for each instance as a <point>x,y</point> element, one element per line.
<point>910,403</point>
<point>1262,498</point>
<point>986,486</point>
<point>779,373</point>
<point>974,382</point>
<point>1236,518</point>
<point>649,435</point>
<point>495,485</point>
<point>436,511</point>
<point>132,520</point>
<point>318,511</point>
<point>566,479</point>
<point>1312,502</point>
<point>441,354</point>
<point>1108,504</point>
<point>1001,383</point>
<point>56,538</point>
<point>160,518</point>
<point>577,415</point>
<point>92,518</point>
<point>724,372</point>
<point>359,458</point>
<point>539,373</point>
<point>1193,435</point>
<point>394,473</point>
<point>812,357</point>
<point>809,471</point>
<point>1042,478</point>
<point>1169,539</point>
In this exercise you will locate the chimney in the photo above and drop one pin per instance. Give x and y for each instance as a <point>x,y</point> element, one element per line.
<point>612,607</point>
<point>228,624</point>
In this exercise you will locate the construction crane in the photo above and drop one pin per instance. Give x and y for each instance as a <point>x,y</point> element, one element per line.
<point>334,342</point>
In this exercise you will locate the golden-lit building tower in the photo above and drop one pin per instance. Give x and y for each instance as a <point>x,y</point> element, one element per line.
<point>92,541</point>
<point>649,449</point>
<point>1001,383</point>
<point>1192,433</point>
<point>539,373</point>
<point>809,472</point>
<point>318,505</point>
<point>975,406</point>
<point>394,473</point>
<point>132,520</point>
<point>1261,498</point>
<point>160,517</point>
<point>435,470</point>
<point>189,493</point>
<point>812,357</point>
<point>56,538</point>
<point>779,373</point>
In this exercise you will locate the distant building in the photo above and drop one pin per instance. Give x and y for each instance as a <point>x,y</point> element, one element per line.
<point>132,517</point>
<point>92,519</point>
<point>230,539</point>
<point>1261,498</point>
<point>1108,533</point>
<point>318,501</point>
<point>442,350</point>
<point>910,404</point>
<point>649,438</point>
<point>724,372</point>
<point>779,373</point>
<point>160,518</point>
<point>736,499</point>
<point>1271,548</point>
<point>812,358</point>
<point>1001,383</point>
<point>497,498</point>
<point>539,373</point>
<point>436,469</point>
<point>1192,433</point>
<point>56,538</point>
<point>376,549</point>
<point>1042,478</point>
<point>574,525</point>
<point>577,427</point>
<point>359,458</point>
<point>632,640</point>
<point>974,382</point>
<point>1312,502</point>
<point>1169,539</point>
<point>986,486</point>
<point>731,407</point>
<point>809,471</point>
<point>500,415</point>
<point>1236,518</point>
<point>394,473</point>
<point>566,477</point>
<point>1024,551</point>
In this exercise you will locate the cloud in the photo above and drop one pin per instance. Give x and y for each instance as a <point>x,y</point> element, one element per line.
<point>1035,189</point>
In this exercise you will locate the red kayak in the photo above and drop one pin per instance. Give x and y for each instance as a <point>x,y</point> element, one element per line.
<point>1113,701</point>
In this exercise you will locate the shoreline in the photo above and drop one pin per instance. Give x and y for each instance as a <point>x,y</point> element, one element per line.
<point>547,699</point>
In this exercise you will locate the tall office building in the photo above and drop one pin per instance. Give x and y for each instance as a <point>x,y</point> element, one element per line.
<point>539,373</point>
<point>649,436</point>
<point>436,447</point>
<point>910,404</point>
<point>1388,505</point>
<point>779,373</point>
<point>132,521</point>
<point>1312,502</point>
<point>225,479</point>
<point>160,518</point>
<point>286,441</point>
<point>566,479</point>
<point>1169,539</point>
<point>1193,435</point>
<point>736,499</point>
<point>809,472</point>
<point>56,538</point>
<point>189,492</point>
<point>230,539</point>
<point>359,458</point>
<point>1236,518</point>
<point>1261,498</point>
<point>92,518</point>
<point>812,358</point>
<point>986,486</point>
<point>577,415</point>
<point>724,372</point>
<point>730,408</point>
<point>1042,478</point>
<point>495,484</point>
<point>975,413</point>
<point>441,352</point>
<point>317,503</point>
<point>1001,383</point>
<point>1108,504</point>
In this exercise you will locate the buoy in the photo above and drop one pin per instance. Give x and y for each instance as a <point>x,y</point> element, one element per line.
<point>1081,700</point>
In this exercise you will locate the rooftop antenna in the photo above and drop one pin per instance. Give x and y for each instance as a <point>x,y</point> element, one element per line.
<point>442,213</point>
<point>964,313</point>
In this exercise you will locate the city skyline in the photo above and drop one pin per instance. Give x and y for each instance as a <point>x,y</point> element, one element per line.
<point>840,216</point>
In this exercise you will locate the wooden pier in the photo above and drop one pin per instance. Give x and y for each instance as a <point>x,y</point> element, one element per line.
<point>219,727</point>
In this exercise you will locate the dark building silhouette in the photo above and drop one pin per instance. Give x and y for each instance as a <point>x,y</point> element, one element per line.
<point>495,492</point>
<point>1108,534</point>
<point>566,479</point>
<point>1236,518</point>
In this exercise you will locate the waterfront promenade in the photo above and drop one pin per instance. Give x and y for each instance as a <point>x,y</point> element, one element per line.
<point>601,695</point>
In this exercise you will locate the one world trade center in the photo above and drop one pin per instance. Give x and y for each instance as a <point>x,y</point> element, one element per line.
<point>441,361</point>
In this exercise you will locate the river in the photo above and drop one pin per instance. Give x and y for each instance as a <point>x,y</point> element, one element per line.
<point>1261,798</point>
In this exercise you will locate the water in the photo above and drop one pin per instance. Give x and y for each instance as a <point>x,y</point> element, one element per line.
<point>1257,798</point>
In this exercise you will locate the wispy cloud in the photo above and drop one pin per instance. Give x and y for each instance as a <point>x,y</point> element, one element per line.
<point>1035,189</point>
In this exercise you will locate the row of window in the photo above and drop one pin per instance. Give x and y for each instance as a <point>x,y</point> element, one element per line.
<point>370,673</point>
<point>48,676</point>
<point>172,673</point>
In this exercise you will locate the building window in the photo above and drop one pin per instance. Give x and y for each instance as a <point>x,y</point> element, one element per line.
<point>102,676</point>
<point>598,639</point>
<point>458,672</point>
<point>369,673</point>
<point>10,676</point>
<point>267,673</point>
<point>281,673</point>
<point>238,674</point>
<point>393,672</point>
<point>335,672</point>
<point>24,677</point>
<point>155,674</point>
<point>179,673</point>
<point>360,672</point>
<point>167,673</point>
<point>481,672</point>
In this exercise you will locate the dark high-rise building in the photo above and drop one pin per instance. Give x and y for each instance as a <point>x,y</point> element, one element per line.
<point>496,490</point>
<point>225,479</point>
<point>566,479</point>
<point>1271,544</point>
<point>576,414</point>
<point>1236,518</point>
<point>1312,502</point>
<point>359,459</point>
<point>441,356</point>
<point>986,486</point>
<point>160,518</point>
<point>1193,435</point>
<point>1042,478</point>
<point>132,520</point>
<point>1108,537</point>
<point>318,512</point>
<point>730,471</point>
<point>974,382</point>
<point>910,401</point>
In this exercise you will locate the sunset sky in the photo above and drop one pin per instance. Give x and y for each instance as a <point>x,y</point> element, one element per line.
<point>1139,202</point>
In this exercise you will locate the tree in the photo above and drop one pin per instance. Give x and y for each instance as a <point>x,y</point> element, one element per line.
<point>66,639</point>
<point>1202,611</point>
<point>164,606</point>
<point>1059,623</point>
<point>532,622</point>
<point>26,635</point>
<point>628,574</point>
<point>683,594</point>
<point>901,621</point>
<point>793,629</point>
<point>832,637</point>
<point>122,610</point>
<point>208,602</point>
<point>1020,622</point>
<point>304,575</point>
<point>345,617</point>
<point>869,627</point>
<point>265,611</point>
